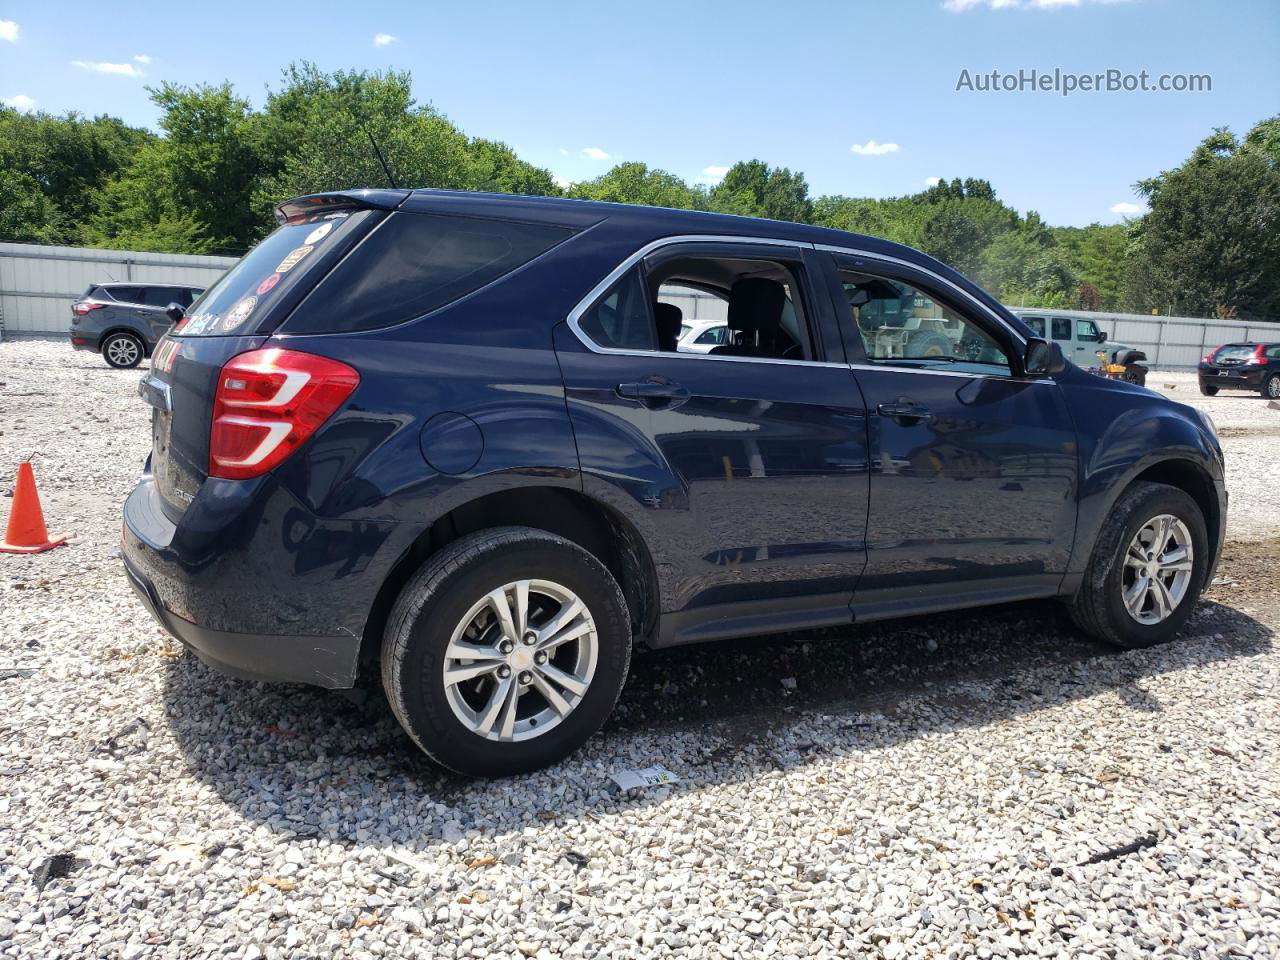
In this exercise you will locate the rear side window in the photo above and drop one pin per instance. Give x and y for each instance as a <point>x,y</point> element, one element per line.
<point>124,294</point>
<point>415,263</point>
<point>232,306</point>
<point>1061,328</point>
<point>1036,324</point>
<point>621,320</point>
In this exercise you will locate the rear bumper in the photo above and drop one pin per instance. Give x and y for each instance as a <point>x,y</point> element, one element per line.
<point>81,340</point>
<point>254,583</point>
<point>1244,380</point>
<point>328,662</point>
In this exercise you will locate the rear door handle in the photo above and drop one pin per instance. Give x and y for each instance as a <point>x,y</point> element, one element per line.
<point>654,394</point>
<point>904,411</point>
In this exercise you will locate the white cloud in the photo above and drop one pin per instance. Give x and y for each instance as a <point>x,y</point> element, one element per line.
<point>1128,209</point>
<point>932,181</point>
<point>19,102</point>
<point>873,149</point>
<point>385,39</point>
<point>142,58</point>
<point>123,69</point>
<point>564,183</point>
<point>9,31</point>
<point>716,173</point>
<point>594,153</point>
<point>564,152</point>
<point>963,6</point>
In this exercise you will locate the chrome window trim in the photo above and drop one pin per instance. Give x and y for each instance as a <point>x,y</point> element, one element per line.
<point>948,373</point>
<point>974,301</point>
<point>601,288</point>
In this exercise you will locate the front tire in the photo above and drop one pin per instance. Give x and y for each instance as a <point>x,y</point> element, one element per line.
<point>1136,374</point>
<point>123,351</point>
<point>475,660</point>
<point>1147,568</point>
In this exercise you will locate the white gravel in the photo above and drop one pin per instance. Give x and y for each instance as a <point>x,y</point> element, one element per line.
<point>933,788</point>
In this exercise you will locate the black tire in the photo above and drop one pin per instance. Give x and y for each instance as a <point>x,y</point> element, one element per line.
<point>1271,387</point>
<point>1208,390</point>
<point>433,603</point>
<point>1136,374</point>
<point>1098,607</point>
<point>123,351</point>
<point>926,344</point>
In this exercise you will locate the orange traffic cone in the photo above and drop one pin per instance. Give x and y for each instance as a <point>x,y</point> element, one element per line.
<point>26,533</point>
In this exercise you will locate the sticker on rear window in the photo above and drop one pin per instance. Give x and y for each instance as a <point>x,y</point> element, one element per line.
<point>268,283</point>
<point>319,233</point>
<point>291,261</point>
<point>238,314</point>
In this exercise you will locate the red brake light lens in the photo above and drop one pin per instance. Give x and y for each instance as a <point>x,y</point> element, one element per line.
<point>86,306</point>
<point>1208,357</point>
<point>267,404</point>
<point>1258,355</point>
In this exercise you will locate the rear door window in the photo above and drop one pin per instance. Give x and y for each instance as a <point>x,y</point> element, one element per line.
<point>233,305</point>
<point>1061,328</point>
<point>160,296</point>
<point>415,263</point>
<point>124,294</point>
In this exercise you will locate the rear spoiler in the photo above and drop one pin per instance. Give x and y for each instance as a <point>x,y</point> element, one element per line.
<point>314,203</point>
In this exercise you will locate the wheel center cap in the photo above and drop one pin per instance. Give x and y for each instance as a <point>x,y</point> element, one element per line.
<point>521,658</point>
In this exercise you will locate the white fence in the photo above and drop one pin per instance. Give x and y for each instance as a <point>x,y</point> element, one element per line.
<point>38,284</point>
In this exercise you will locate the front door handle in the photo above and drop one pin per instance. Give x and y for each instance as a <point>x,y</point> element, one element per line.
<point>654,394</point>
<point>904,411</point>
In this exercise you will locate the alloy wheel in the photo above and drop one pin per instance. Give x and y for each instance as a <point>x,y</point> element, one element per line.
<point>1158,566</point>
<point>520,660</point>
<point>123,351</point>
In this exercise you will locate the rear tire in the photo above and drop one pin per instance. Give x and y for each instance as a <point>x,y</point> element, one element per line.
<point>1207,390</point>
<point>454,603</point>
<point>1271,387</point>
<point>1099,607</point>
<point>123,351</point>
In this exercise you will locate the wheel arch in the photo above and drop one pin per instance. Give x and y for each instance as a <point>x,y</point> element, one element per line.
<point>1193,480</point>
<point>595,527</point>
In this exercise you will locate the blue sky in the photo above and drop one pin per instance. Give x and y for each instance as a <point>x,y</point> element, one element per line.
<point>692,88</point>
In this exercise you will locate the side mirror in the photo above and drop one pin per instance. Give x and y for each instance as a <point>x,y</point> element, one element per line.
<point>1043,358</point>
<point>174,312</point>
<point>1102,336</point>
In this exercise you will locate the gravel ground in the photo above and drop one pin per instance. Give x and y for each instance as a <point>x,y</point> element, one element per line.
<point>984,784</point>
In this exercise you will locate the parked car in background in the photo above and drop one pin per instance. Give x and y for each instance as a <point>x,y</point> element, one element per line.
<point>124,321</point>
<point>453,433</point>
<point>1085,344</point>
<point>1242,366</point>
<point>703,336</point>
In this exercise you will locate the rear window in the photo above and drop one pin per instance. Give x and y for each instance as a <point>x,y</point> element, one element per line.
<point>275,265</point>
<point>1235,352</point>
<point>415,263</point>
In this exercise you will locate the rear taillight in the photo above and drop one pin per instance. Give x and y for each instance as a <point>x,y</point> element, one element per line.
<point>85,306</point>
<point>1258,355</point>
<point>267,404</point>
<point>1208,357</point>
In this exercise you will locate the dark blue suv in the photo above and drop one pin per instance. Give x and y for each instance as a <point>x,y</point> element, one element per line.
<point>454,432</point>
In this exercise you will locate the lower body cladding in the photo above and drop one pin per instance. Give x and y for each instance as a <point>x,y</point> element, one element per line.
<point>256,585</point>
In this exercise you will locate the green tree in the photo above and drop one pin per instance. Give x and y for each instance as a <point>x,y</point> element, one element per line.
<point>68,159</point>
<point>755,189</point>
<point>1211,240</point>
<point>635,182</point>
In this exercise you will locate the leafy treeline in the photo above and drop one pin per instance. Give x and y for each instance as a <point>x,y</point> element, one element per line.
<point>1209,246</point>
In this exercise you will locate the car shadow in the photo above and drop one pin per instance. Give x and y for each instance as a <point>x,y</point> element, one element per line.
<point>299,759</point>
